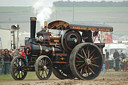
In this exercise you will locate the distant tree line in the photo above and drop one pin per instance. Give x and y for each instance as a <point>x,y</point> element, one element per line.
<point>90,4</point>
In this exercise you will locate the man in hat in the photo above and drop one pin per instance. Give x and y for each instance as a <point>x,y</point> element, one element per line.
<point>116,57</point>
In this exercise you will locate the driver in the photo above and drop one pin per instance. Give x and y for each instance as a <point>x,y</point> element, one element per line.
<point>87,36</point>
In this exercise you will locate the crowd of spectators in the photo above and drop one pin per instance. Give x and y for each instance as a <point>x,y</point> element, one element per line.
<point>119,62</point>
<point>6,57</point>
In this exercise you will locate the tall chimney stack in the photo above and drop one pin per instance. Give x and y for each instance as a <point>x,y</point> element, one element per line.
<point>32,27</point>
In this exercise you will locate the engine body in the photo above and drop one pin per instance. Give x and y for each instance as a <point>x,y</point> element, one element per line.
<point>66,49</point>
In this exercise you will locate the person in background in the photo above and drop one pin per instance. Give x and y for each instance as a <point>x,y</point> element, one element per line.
<point>16,52</point>
<point>10,54</point>
<point>22,54</point>
<point>116,57</point>
<point>106,59</point>
<point>0,54</point>
<point>106,55</point>
<point>123,60</point>
<point>7,60</point>
<point>122,55</point>
<point>7,57</point>
<point>103,67</point>
<point>1,62</point>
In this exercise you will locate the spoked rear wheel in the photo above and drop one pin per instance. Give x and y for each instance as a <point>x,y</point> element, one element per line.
<point>86,61</point>
<point>43,67</point>
<point>17,65</point>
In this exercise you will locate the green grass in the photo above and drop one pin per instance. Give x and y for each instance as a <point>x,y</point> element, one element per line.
<point>8,77</point>
<point>5,77</point>
<point>30,76</point>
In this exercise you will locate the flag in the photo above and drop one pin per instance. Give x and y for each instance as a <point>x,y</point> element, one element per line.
<point>106,37</point>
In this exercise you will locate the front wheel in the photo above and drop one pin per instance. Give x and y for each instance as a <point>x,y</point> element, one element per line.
<point>86,61</point>
<point>43,67</point>
<point>16,69</point>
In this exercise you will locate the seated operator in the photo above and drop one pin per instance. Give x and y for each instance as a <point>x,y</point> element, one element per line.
<point>87,36</point>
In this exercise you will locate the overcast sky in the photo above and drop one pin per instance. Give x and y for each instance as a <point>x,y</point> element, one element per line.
<point>31,2</point>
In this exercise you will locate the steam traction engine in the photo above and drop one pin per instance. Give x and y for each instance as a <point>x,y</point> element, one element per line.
<point>69,54</point>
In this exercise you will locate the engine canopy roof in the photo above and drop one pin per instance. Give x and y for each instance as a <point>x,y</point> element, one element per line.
<point>57,23</point>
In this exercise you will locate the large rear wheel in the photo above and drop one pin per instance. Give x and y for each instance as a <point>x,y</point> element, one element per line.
<point>86,61</point>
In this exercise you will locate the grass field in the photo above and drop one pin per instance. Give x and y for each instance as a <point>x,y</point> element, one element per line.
<point>30,76</point>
